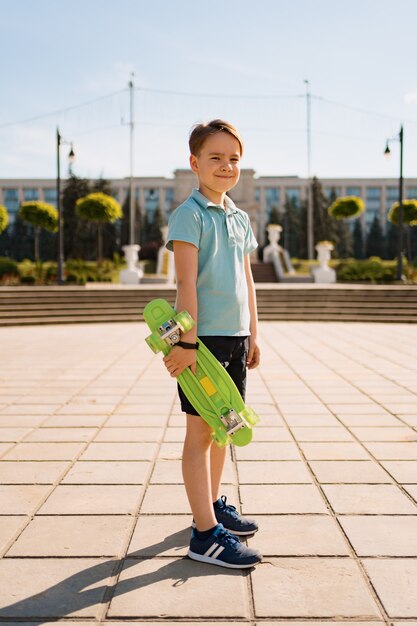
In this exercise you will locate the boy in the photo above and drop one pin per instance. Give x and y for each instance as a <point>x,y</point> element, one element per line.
<point>212,240</point>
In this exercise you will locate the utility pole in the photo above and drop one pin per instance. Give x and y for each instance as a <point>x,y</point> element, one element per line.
<point>131,198</point>
<point>310,219</point>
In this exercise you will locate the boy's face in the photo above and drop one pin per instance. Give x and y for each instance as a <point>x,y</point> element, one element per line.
<point>218,163</point>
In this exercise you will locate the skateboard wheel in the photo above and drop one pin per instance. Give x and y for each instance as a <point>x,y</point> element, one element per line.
<point>250,416</point>
<point>185,320</point>
<point>220,439</point>
<point>154,343</point>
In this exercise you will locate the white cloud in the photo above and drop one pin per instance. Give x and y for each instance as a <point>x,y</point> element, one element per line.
<point>410,97</point>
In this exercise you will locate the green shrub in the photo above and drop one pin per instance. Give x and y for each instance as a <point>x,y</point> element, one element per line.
<point>372,270</point>
<point>28,280</point>
<point>409,212</point>
<point>4,218</point>
<point>8,267</point>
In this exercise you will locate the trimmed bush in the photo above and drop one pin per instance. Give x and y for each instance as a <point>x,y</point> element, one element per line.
<point>39,214</point>
<point>409,212</point>
<point>8,267</point>
<point>349,206</point>
<point>372,270</point>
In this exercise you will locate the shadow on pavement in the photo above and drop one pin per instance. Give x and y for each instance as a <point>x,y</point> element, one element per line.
<point>74,594</point>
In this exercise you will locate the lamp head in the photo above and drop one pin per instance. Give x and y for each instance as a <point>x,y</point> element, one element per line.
<point>387,151</point>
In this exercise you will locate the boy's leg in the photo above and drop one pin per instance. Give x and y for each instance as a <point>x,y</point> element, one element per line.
<point>196,472</point>
<point>217,459</point>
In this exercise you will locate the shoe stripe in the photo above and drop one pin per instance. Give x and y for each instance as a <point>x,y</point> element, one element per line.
<point>211,549</point>
<point>218,551</point>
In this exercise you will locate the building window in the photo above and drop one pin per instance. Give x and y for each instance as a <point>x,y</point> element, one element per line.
<point>373,204</point>
<point>151,202</point>
<point>353,191</point>
<point>257,195</point>
<point>332,192</point>
<point>272,200</point>
<point>169,201</point>
<point>30,194</point>
<point>411,193</point>
<point>11,201</point>
<point>50,196</point>
<point>294,195</point>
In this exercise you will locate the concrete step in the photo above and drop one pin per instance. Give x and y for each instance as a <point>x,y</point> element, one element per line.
<point>62,305</point>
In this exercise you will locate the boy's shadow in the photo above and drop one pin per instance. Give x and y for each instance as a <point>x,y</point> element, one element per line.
<point>81,590</point>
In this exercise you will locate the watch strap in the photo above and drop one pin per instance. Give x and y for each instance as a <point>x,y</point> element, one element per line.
<point>187,346</point>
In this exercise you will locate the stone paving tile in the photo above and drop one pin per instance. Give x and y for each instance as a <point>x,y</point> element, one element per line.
<point>385,434</point>
<point>312,587</point>
<point>298,535</point>
<point>161,535</point>
<point>327,451</point>
<point>52,587</point>
<point>381,535</point>
<point>61,434</point>
<point>4,447</point>
<point>412,490</point>
<point>160,499</point>
<point>174,434</point>
<point>44,452</point>
<point>402,471</point>
<point>411,420</point>
<point>31,472</point>
<point>393,451</point>
<point>180,588</point>
<point>130,434</point>
<point>258,499</point>
<point>273,472</point>
<point>349,472</point>
<point>21,499</point>
<point>395,582</point>
<point>9,526</point>
<point>335,433</point>
<point>106,451</point>
<point>85,535</point>
<point>368,420</point>
<point>263,433</point>
<point>171,451</point>
<point>12,434</point>
<point>21,421</point>
<point>107,473</point>
<point>92,499</point>
<point>275,451</point>
<point>369,499</point>
<point>74,421</point>
<point>31,409</point>
<point>73,408</point>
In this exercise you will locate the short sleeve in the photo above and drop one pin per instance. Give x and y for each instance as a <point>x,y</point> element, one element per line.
<point>184,225</point>
<point>250,241</point>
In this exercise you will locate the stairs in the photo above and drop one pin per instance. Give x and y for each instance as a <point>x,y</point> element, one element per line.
<point>309,302</point>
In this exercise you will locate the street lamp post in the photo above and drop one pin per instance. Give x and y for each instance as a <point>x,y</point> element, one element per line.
<point>71,157</point>
<point>387,153</point>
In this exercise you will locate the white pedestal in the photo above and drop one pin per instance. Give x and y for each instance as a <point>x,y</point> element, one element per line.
<point>323,275</point>
<point>133,274</point>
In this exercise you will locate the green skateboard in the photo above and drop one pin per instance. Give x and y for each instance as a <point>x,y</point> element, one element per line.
<point>211,390</point>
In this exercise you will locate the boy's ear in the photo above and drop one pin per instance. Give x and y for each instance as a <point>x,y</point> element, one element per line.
<point>193,163</point>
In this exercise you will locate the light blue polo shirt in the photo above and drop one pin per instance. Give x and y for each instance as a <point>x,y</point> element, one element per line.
<point>223,238</point>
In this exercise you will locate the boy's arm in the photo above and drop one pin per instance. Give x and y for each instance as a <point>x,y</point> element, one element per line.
<point>254,354</point>
<point>186,267</point>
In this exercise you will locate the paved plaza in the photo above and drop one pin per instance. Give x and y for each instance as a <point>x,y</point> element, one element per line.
<point>94,521</point>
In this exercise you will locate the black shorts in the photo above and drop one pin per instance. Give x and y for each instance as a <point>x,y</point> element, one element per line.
<point>232,353</point>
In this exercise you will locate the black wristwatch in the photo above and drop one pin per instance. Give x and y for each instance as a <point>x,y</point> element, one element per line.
<point>187,346</point>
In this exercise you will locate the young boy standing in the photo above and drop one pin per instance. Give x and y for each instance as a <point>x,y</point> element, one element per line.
<point>212,240</point>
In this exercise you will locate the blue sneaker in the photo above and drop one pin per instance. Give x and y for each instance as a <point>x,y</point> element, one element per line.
<point>227,515</point>
<point>223,549</point>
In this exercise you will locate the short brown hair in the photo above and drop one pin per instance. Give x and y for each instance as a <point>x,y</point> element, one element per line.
<point>200,132</point>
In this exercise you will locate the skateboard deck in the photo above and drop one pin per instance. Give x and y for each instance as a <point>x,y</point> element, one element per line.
<point>210,390</point>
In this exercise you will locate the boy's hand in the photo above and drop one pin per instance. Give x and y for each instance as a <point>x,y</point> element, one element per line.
<point>179,359</point>
<point>254,354</point>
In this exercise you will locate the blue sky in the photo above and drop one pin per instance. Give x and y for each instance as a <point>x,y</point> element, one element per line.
<point>233,60</point>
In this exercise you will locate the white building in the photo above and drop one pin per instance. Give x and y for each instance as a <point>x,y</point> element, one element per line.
<point>256,195</point>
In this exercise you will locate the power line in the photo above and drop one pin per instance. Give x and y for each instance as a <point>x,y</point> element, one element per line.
<point>220,95</point>
<point>59,111</point>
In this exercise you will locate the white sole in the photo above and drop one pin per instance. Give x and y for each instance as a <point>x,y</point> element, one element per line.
<point>207,559</point>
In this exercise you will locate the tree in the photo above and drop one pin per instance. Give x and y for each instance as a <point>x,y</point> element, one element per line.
<point>4,218</point>
<point>409,218</point>
<point>358,242</point>
<point>291,221</point>
<point>99,208</point>
<point>78,234</point>
<point>375,239</point>
<point>39,215</point>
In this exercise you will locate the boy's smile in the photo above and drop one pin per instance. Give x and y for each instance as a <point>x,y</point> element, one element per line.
<point>217,166</point>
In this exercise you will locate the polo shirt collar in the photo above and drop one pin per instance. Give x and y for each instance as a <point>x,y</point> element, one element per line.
<point>205,203</point>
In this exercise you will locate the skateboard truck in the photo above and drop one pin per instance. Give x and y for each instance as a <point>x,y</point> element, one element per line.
<point>170,332</point>
<point>232,421</point>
